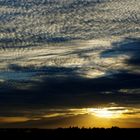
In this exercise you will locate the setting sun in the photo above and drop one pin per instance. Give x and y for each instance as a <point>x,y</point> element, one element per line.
<point>105,112</point>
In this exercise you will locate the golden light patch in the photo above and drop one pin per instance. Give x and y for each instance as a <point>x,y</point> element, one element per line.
<point>13,119</point>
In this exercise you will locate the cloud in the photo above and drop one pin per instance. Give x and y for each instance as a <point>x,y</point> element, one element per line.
<point>53,86</point>
<point>70,54</point>
<point>40,22</point>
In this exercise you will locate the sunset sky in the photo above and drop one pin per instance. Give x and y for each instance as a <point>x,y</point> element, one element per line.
<point>69,63</point>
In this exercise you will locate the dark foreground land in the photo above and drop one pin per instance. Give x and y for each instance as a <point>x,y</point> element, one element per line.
<point>71,133</point>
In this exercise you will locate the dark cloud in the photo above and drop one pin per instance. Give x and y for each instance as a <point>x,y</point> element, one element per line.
<point>73,92</point>
<point>128,46</point>
<point>60,86</point>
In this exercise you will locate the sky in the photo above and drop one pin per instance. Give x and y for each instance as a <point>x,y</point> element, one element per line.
<point>69,63</point>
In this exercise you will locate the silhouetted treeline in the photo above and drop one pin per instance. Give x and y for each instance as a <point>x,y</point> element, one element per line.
<point>71,133</point>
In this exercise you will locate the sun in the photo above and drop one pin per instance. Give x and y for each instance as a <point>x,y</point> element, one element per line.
<point>103,113</point>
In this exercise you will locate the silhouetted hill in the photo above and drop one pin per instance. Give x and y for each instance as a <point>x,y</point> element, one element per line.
<point>71,133</point>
